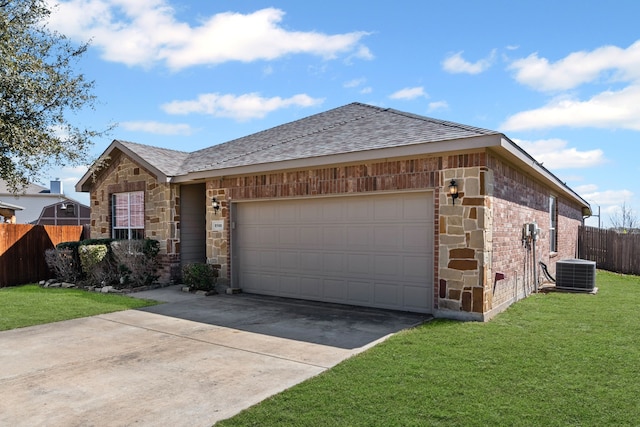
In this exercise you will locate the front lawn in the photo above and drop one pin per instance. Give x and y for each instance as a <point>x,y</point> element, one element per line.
<point>553,359</point>
<point>32,305</point>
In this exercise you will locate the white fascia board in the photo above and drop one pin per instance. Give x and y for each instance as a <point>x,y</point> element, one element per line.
<point>429,148</point>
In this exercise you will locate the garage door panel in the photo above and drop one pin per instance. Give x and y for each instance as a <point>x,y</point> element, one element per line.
<point>387,294</point>
<point>287,236</point>
<point>417,209</point>
<point>359,237</point>
<point>359,264</point>
<point>267,236</point>
<point>309,211</point>
<point>333,237</point>
<point>414,238</point>
<point>416,297</point>
<point>388,265</point>
<point>311,261</point>
<point>359,293</point>
<point>363,250</point>
<point>265,283</point>
<point>358,210</point>
<point>268,259</point>
<point>384,210</point>
<point>289,260</point>
<point>310,237</point>
<point>310,288</point>
<point>331,211</point>
<point>333,262</point>
<point>414,268</point>
<point>387,237</point>
<point>334,290</point>
<point>289,286</point>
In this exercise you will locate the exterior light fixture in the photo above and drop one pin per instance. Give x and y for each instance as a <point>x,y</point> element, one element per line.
<point>453,191</point>
<point>216,205</point>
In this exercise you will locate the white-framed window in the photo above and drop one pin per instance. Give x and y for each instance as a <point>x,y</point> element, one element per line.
<point>128,215</point>
<point>553,224</point>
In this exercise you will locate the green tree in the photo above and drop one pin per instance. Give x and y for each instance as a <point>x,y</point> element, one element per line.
<point>40,94</point>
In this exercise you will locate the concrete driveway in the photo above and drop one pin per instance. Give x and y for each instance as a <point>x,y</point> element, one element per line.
<point>189,362</point>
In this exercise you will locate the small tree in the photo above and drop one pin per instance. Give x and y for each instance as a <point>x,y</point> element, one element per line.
<point>624,220</point>
<point>39,92</point>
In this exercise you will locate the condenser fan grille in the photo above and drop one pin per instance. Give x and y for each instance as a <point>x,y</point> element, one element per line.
<point>576,274</point>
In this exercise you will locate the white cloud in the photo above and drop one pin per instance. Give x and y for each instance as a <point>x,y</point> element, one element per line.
<point>239,107</point>
<point>456,64</point>
<point>586,188</point>
<point>158,128</point>
<point>366,90</point>
<point>609,109</point>
<point>554,154</point>
<point>146,32</point>
<point>578,68</point>
<point>355,82</point>
<point>409,93</point>
<point>438,106</point>
<point>611,198</point>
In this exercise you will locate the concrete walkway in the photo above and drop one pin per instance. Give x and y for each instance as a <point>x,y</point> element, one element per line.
<point>189,362</point>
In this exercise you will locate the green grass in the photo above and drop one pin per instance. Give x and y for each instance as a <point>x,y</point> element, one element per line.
<point>32,305</point>
<point>551,360</point>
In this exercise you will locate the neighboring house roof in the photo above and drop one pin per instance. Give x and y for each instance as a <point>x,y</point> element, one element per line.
<point>4,205</point>
<point>30,189</point>
<point>33,198</point>
<point>354,132</point>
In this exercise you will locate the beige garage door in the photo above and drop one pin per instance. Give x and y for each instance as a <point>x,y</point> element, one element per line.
<point>374,251</point>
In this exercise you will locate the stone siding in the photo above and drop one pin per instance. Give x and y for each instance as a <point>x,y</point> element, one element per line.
<point>161,205</point>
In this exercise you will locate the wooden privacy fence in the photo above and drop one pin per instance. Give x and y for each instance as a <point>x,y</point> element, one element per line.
<point>22,248</point>
<point>610,250</point>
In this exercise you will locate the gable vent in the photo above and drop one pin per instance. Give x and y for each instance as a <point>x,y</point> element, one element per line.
<point>576,274</point>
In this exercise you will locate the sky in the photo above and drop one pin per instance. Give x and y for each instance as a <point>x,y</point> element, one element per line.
<point>559,78</point>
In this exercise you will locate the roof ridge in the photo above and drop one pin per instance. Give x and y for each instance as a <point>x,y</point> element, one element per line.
<point>443,122</point>
<point>301,135</point>
<point>155,147</point>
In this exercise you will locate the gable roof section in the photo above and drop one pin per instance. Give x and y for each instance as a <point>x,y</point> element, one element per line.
<point>164,163</point>
<point>353,132</point>
<point>348,129</point>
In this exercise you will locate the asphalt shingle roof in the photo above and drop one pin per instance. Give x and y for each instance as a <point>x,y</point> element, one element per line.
<point>351,128</point>
<point>167,161</point>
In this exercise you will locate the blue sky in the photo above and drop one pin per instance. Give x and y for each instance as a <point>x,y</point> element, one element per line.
<point>560,78</point>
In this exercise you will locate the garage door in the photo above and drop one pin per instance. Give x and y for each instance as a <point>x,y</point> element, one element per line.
<point>374,251</point>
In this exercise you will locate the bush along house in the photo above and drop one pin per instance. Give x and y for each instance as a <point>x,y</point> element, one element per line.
<point>357,205</point>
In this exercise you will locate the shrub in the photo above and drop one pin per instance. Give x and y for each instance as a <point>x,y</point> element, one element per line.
<point>64,263</point>
<point>200,276</point>
<point>137,261</point>
<point>97,264</point>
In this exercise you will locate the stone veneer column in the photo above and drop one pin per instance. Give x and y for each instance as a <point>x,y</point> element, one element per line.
<point>218,241</point>
<point>465,241</point>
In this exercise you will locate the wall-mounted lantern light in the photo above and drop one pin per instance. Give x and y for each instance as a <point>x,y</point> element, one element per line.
<point>216,205</point>
<point>453,191</point>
